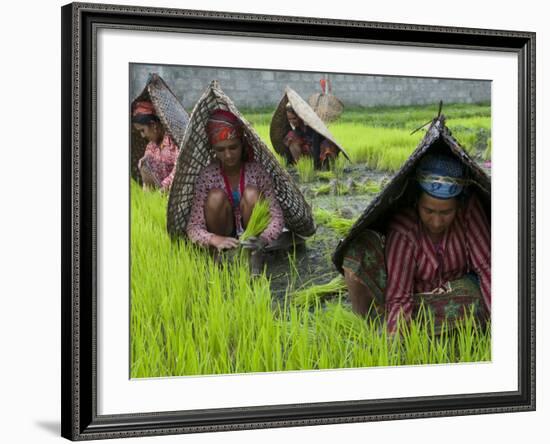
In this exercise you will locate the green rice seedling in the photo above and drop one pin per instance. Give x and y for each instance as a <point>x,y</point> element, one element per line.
<point>314,293</point>
<point>369,187</point>
<point>259,220</point>
<point>471,123</point>
<point>467,139</point>
<point>335,187</point>
<point>392,159</point>
<point>322,216</point>
<point>280,159</point>
<point>468,335</point>
<point>418,337</point>
<point>326,175</point>
<point>339,224</point>
<point>487,152</point>
<point>367,144</point>
<point>293,272</point>
<point>322,190</point>
<point>360,332</point>
<point>342,189</point>
<point>410,117</point>
<point>338,166</point>
<point>306,169</point>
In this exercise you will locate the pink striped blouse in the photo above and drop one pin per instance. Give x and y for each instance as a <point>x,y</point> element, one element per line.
<point>211,178</point>
<point>412,259</point>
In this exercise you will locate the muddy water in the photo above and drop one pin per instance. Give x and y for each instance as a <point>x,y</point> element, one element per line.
<point>311,263</point>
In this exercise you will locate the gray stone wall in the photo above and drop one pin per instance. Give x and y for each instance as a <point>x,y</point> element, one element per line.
<point>261,88</point>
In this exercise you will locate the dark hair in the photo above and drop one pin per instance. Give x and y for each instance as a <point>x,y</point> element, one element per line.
<point>145,119</point>
<point>245,153</point>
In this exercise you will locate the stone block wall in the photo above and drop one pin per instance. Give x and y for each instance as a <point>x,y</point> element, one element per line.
<point>263,89</point>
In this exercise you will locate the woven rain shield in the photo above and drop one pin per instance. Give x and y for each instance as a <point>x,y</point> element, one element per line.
<point>170,111</point>
<point>438,139</point>
<point>196,153</point>
<point>280,126</point>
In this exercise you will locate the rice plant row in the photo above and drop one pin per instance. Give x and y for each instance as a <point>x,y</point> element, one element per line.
<point>193,315</point>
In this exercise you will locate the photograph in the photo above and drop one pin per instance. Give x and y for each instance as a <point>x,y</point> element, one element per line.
<point>287,220</point>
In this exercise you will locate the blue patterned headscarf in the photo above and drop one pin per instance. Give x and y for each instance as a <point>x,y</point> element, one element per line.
<point>440,176</point>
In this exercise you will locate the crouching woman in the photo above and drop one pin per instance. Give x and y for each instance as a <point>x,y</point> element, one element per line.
<point>227,190</point>
<point>436,253</point>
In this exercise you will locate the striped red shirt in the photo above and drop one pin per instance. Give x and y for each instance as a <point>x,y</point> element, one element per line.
<point>412,259</point>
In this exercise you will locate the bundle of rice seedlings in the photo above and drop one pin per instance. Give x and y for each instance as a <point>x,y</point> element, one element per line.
<point>322,216</point>
<point>339,165</point>
<point>315,293</point>
<point>369,187</point>
<point>306,169</point>
<point>339,224</point>
<point>342,189</point>
<point>322,190</point>
<point>334,187</point>
<point>325,175</point>
<point>344,320</point>
<point>259,220</point>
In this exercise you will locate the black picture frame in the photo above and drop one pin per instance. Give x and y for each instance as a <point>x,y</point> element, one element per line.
<point>80,420</point>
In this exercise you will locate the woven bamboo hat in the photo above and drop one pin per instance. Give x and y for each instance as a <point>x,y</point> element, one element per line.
<point>169,110</point>
<point>196,153</point>
<point>280,126</point>
<point>438,140</point>
<point>326,105</point>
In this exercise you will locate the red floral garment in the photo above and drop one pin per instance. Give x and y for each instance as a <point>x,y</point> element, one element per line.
<point>162,160</point>
<point>210,178</point>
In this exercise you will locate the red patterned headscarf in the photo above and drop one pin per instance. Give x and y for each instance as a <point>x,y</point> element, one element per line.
<point>144,107</point>
<point>144,112</point>
<point>223,125</point>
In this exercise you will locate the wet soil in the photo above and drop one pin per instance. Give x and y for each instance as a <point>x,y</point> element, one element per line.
<point>311,263</point>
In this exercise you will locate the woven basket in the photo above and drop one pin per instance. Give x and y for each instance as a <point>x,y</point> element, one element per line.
<point>196,154</point>
<point>327,106</point>
<point>438,139</point>
<point>280,126</point>
<point>170,111</point>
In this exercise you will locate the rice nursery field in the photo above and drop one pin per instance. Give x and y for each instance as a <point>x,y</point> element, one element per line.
<point>193,314</point>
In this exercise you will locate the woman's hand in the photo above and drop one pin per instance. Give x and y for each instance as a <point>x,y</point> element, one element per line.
<point>254,243</point>
<point>147,176</point>
<point>223,242</point>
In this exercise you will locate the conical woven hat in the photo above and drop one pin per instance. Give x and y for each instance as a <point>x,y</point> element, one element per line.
<point>170,111</point>
<point>438,139</point>
<point>280,126</point>
<point>196,153</point>
<point>327,106</point>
